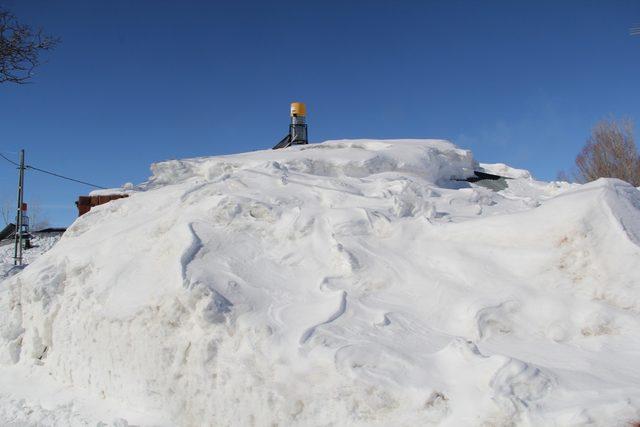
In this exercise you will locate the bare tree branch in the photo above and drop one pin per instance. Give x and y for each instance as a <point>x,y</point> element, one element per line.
<point>20,49</point>
<point>610,152</point>
<point>6,211</point>
<point>37,219</point>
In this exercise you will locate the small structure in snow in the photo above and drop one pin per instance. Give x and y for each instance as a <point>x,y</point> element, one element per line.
<point>488,180</point>
<point>7,232</point>
<point>297,129</point>
<point>85,203</point>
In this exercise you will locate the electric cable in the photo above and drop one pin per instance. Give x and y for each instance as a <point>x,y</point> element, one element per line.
<point>52,173</point>
<point>64,177</point>
<point>8,160</point>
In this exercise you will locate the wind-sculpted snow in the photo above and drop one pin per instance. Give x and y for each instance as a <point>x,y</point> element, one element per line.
<point>347,158</point>
<point>343,283</point>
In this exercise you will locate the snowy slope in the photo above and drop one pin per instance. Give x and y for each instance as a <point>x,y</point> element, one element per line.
<point>344,283</point>
<point>41,243</point>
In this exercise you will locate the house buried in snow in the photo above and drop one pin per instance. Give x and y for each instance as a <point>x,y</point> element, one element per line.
<point>85,203</point>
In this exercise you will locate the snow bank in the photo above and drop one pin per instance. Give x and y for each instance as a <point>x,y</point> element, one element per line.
<point>350,282</point>
<point>433,160</point>
<point>504,170</point>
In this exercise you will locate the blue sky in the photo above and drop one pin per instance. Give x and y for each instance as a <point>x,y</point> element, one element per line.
<point>135,82</point>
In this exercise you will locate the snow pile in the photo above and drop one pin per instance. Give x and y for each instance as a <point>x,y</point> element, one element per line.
<point>349,282</point>
<point>41,243</point>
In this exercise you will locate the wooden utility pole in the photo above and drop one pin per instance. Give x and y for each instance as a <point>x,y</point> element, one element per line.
<point>17,255</point>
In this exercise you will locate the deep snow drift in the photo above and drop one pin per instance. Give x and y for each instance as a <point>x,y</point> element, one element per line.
<point>345,283</point>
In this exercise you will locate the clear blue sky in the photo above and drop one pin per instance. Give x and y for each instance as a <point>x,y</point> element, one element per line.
<point>135,82</point>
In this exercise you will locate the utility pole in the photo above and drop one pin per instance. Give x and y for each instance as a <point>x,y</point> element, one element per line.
<point>18,236</point>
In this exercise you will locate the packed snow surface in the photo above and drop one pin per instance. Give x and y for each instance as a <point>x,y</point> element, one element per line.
<point>351,282</point>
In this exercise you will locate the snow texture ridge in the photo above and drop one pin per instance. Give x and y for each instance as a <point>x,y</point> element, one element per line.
<point>353,282</point>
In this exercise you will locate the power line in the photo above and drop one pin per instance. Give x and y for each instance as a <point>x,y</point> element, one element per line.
<point>65,177</point>
<point>52,173</point>
<point>8,160</point>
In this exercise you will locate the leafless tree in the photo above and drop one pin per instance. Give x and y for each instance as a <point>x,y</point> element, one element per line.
<point>610,152</point>
<point>563,176</point>
<point>37,219</point>
<point>8,212</point>
<point>20,49</point>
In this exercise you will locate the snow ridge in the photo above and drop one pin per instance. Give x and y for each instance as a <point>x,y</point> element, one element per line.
<point>353,282</point>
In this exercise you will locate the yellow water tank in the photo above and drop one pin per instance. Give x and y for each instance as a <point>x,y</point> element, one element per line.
<point>298,109</point>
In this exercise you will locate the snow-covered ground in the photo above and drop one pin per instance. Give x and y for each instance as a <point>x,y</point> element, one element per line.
<point>343,283</point>
<point>41,243</point>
